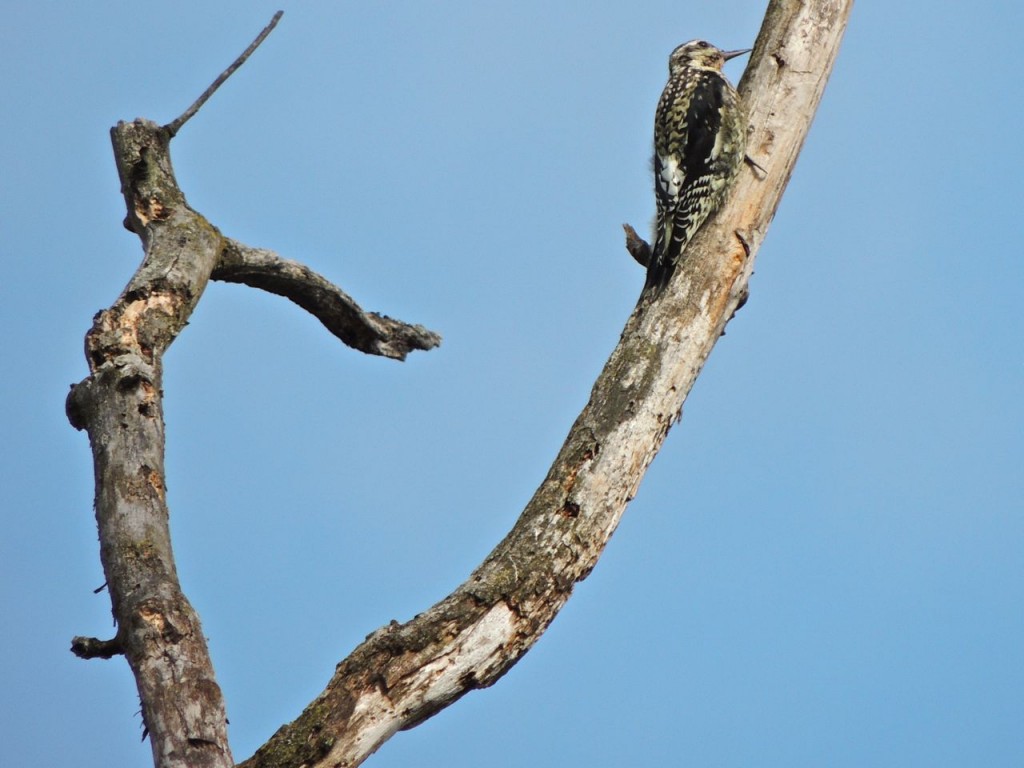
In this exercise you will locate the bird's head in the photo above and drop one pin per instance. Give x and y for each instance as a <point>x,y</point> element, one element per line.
<point>698,54</point>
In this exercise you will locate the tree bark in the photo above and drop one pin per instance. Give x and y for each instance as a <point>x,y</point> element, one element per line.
<point>120,404</point>
<point>404,673</point>
<point>368,332</point>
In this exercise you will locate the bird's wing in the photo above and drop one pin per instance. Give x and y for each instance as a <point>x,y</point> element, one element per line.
<point>683,172</point>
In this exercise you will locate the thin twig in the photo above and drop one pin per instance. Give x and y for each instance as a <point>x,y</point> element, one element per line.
<point>174,126</point>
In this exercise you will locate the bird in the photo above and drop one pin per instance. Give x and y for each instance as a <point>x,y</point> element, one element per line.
<point>700,129</point>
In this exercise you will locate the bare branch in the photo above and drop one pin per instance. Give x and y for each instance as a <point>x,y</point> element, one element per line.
<point>175,125</point>
<point>404,673</point>
<point>120,404</point>
<point>638,248</point>
<point>368,332</point>
<point>93,648</point>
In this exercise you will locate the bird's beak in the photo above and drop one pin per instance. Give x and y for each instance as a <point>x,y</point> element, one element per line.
<point>733,54</point>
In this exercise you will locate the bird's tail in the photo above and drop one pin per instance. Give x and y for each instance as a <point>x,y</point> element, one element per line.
<point>657,277</point>
<point>661,266</point>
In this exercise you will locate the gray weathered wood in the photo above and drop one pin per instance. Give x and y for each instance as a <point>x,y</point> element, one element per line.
<point>120,405</point>
<point>404,673</point>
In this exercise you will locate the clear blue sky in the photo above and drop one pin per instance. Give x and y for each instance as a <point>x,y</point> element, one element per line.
<point>823,566</point>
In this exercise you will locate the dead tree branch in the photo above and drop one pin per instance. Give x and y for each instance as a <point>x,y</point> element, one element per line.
<point>368,332</point>
<point>404,673</point>
<point>175,125</point>
<point>120,404</point>
<point>94,648</point>
<point>638,248</point>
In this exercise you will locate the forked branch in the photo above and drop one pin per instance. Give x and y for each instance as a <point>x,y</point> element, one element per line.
<point>404,673</point>
<point>120,404</point>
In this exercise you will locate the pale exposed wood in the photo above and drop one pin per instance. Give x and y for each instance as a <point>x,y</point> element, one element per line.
<point>120,404</point>
<point>404,673</point>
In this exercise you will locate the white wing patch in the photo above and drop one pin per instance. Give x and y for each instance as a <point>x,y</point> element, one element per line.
<point>671,178</point>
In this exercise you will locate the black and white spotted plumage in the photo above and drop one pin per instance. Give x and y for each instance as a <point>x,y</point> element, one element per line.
<point>699,144</point>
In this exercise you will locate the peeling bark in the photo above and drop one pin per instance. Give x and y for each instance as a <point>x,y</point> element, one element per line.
<point>404,673</point>
<point>120,404</point>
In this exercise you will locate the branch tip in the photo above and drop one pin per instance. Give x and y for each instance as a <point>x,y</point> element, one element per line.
<point>175,125</point>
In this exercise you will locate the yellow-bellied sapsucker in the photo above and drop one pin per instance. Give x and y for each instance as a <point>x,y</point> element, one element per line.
<point>700,131</point>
